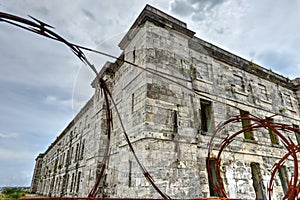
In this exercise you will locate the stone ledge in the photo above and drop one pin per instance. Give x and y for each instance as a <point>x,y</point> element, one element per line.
<point>158,18</point>
<point>241,63</point>
<point>250,141</point>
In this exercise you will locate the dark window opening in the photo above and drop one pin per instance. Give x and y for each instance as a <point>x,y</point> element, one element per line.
<point>76,152</point>
<point>71,154</point>
<point>206,116</point>
<point>175,121</point>
<point>273,136</point>
<point>72,182</point>
<point>284,178</point>
<point>257,182</point>
<point>86,121</point>
<point>297,133</point>
<point>130,174</point>
<point>248,134</point>
<point>132,103</point>
<point>82,149</point>
<point>67,183</point>
<point>63,159</point>
<point>133,55</point>
<point>78,182</point>
<point>68,158</point>
<point>213,180</point>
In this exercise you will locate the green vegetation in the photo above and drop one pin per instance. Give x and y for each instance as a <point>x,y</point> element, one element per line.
<point>12,193</point>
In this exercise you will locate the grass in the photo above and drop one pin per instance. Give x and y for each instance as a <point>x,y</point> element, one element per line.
<point>12,193</point>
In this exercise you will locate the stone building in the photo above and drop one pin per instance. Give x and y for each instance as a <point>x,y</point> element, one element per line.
<point>169,125</point>
<point>36,172</point>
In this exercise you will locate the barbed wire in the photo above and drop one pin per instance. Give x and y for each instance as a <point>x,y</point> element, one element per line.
<point>43,29</point>
<point>38,27</point>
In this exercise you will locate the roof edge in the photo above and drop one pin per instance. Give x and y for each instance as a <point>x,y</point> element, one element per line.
<point>157,17</point>
<point>244,64</point>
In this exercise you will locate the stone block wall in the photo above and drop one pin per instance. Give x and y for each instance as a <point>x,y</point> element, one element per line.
<point>230,90</point>
<point>169,116</point>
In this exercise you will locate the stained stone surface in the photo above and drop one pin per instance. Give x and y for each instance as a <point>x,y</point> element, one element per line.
<point>163,119</point>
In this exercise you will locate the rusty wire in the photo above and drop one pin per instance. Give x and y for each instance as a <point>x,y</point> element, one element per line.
<point>293,186</point>
<point>95,188</point>
<point>43,29</point>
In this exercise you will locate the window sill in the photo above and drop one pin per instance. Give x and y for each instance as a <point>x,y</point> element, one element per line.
<point>277,146</point>
<point>266,101</point>
<point>291,109</point>
<point>205,133</point>
<point>204,81</point>
<point>241,93</point>
<point>250,141</point>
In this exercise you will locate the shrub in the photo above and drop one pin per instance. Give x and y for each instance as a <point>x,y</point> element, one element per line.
<point>12,193</point>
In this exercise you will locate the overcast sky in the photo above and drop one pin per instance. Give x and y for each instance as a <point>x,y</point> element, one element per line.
<point>42,84</point>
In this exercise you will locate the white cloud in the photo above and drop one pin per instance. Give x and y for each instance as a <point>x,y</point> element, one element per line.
<point>52,100</point>
<point>8,136</point>
<point>253,30</point>
<point>10,154</point>
<point>39,78</point>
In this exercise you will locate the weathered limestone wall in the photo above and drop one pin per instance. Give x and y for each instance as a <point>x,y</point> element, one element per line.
<point>36,174</point>
<point>70,164</point>
<point>170,53</point>
<point>164,121</point>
